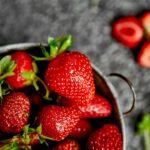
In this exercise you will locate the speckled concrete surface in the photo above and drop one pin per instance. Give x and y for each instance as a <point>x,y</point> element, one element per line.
<point>35,20</point>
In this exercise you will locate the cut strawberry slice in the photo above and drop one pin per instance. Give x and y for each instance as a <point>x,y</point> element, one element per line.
<point>128,31</point>
<point>145,20</point>
<point>144,55</point>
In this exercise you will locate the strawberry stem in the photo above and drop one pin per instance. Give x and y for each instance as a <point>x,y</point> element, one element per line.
<point>6,75</point>
<point>37,79</point>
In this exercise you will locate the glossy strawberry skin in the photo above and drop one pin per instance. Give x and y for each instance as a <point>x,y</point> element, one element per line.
<point>144,55</point>
<point>82,129</point>
<point>23,63</point>
<point>106,138</point>
<point>99,107</point>
<point>128,30</point>
<point>70,75</point>
<point>67,144</point>
<point>14,112</point>
<point>58,122</point>
<point>145,20</point>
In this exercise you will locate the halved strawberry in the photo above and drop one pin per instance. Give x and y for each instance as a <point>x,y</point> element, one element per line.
<point>144,55</point>
<point>128,30</point>
<point>145,20</point>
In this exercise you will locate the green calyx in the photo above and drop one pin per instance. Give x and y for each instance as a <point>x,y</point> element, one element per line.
<point>144,129</point>
<point>7,67</point>
<point>10,146</point>
<point>56,46</point>
<point>33,79</point>
<point>24,140</point>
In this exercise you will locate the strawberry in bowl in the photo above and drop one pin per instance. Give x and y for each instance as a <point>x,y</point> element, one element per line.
<point>81,111</point>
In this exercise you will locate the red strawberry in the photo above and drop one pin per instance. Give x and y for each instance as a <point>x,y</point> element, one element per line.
<point>82,129</point>
<point>128,31</point>
<point>24,63</point>
<point>106,138</point>
<point>99,107</point>
<point>58,122</point>
<point>144,55</point>
<point>145,20</point>
<point>14,112</point>
<point>67,144</point>
<point>70,75</point>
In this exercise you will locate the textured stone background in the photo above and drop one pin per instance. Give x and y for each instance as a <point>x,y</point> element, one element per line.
<point>89,23</point>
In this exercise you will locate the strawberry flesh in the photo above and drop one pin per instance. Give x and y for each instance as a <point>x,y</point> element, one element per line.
<point>144,55</point>
<point>145,20</point>
<point>128,30</point>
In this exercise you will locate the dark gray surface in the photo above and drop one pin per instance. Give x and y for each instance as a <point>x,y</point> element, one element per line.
<point>35,20</point>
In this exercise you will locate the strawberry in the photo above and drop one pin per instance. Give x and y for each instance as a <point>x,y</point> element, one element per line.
<point>145,20</point>
<point>82,129</point>
<point>67,144</point>
<point>106,138</point>
<point>144,55</point>
<point>14,112</point>
<point>58,122</point>
<point>24,64</point>
<point>99,107</point>
<point>70,75</point>
<point>128,30</point>
<point>24,73</point>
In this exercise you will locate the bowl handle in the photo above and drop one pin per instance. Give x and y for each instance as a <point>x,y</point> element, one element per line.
<point>131,88</point>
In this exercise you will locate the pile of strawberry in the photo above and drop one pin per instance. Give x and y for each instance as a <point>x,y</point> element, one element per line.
<point>68,116</point>
<point>134,33</point>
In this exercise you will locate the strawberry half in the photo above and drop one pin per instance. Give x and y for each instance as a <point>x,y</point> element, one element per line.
<point>144,55</point>
<point>99,107</point>
<point>67,144</point>
<point>106,138</point>
<point>70,75</point>
<point>82,129</point>
<point>58,122</point>
<point>145,20</point>
<point>14,112</point>
<point>128,30</point>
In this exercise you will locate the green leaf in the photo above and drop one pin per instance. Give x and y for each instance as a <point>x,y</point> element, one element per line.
<point>4,63</point>
<point>144,129</point>
<point>35,68</point>
<point>29,75</point>
<point>144,125</point>
<point>44,51</point>
<point>53,47</point>
<point>11,66</point>
<point>10,146</point>
<point>39,129</point>
<point>40,58</point>
<point>66,44</point>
